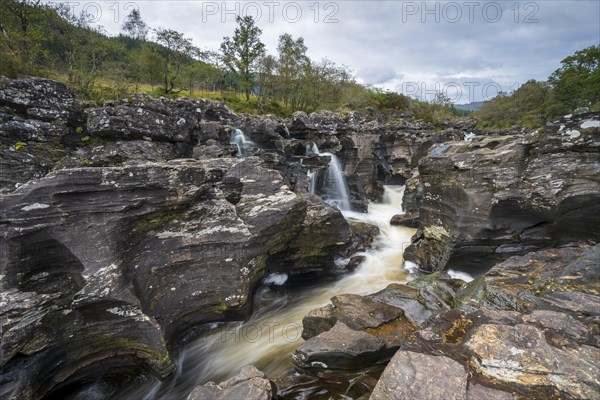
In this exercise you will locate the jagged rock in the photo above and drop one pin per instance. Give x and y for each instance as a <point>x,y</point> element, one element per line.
<point>505,195</point>
<point>119,153</point>
<point>364,234</point>
<point>158,120</point>
<point>120,251</point>
<point>513,329</point>
<point>300,126</point>
<point>418,376</point>
<point>248,384</point>
<point>40,99</point>
<point>39,123</point>
<point>210,130</point>
<point>325,235</point>
<point>264,129</point>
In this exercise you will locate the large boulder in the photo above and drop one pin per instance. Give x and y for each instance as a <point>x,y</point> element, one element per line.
<point>105,266</point>
<point>528,328</point>
<point>497,196</point>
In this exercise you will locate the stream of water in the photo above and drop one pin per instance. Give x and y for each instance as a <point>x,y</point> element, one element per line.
<point>270,336</point>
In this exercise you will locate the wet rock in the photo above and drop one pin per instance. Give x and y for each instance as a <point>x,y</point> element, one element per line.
<point>99,263</point>
<point>339,348</point>
<point>554,279</point>
<point>325,235</point>
<point>351,322</point>
<point>406,298</point>
<point>296,386</point>
<point>356,312</point>
<point>364,234</point>
<point>248,384</point>
<point>418,376</point>
<point>497,196</point>
<point>408,219</point>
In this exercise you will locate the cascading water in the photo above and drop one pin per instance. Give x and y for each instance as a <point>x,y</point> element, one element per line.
<point>335,186</point>
<point>312,150</point>
<point>270,336</point>
<point>335,190</point>
<point>312,181</point>
<point>238,139</point>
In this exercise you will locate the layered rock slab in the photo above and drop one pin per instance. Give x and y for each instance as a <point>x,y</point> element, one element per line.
<point>135,256</point>
<point>498,196</point>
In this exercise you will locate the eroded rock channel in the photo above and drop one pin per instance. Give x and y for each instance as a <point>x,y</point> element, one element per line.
<point>144,243</point>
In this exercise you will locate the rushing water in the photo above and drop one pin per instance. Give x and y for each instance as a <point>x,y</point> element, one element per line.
<point>335,187</point>
<point>238,139</point>
<point>270,336</point>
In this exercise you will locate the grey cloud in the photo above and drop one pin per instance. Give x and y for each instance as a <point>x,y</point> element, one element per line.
<point>387,46</point>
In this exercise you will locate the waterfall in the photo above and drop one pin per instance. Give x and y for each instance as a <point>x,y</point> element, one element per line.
<point>238,139</point>
<point>336,188</point>
<point>272,333</point>
<point>312,150</point>
<point>312,181</point>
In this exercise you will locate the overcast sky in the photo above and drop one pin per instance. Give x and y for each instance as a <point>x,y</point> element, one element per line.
<point>469,48</point>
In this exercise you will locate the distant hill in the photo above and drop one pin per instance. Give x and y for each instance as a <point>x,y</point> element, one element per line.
<point>473,106</point>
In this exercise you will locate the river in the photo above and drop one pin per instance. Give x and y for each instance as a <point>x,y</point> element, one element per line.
<point>269,337</point>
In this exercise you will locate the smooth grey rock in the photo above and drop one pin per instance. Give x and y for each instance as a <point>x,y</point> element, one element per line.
<point>418,376</point>
<point>340,348</point>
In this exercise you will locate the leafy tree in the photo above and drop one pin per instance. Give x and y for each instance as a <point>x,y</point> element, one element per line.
<point>267,79</point>
<point>175,51</point>
<point>24,11</point>
<point>134,26</point>
<point>577,82</point>
<point>196,72</point>
<point>292,64</point>
<point>144,66</point>
<point>527,106</point>
<point>241,52</point>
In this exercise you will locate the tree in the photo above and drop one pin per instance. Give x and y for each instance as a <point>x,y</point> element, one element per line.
<point>241,52</point>
<point>144,65</point>
<point>176,49</point>
<point>527,106</point>
<point>292,64</point>
<point>134,26</point>
<point>267,81</point>
<point>197,71</point>
<point>577,82</point>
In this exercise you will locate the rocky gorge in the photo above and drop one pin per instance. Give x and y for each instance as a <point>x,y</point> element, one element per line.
<point>130,230</point>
